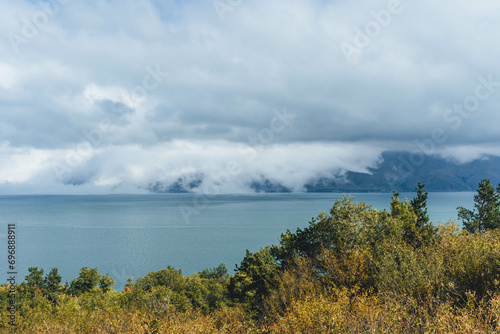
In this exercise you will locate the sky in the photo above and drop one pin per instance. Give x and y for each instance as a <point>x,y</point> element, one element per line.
<point>115,96</point>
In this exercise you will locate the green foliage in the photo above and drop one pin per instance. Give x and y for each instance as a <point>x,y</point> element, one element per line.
<point>88,280</point>
<point>417,230</point>
<point>52,284</point>
<point>354,269</point>
<point>216,280</point>
<point>205,291</point>
<point>486,213</point>
<point>404,219</point>
<point>400,269</point>
<point>254,278</point>
<point>35,277</point>
<point>106,283</point>
<point>419,206</point>
<point>35,284</point>
<point>346,225</point>
<point>52,281</point>
<point>170,277</point>
<point>352,224</point>
<point>98,299</point>
<point>219,273</point>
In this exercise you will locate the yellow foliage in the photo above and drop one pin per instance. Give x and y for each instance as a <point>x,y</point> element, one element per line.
<point>375,283</point>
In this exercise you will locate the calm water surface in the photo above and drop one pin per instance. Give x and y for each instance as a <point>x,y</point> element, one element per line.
<point>131,235</point>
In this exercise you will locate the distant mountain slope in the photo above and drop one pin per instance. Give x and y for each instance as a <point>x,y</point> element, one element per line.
<point>399,171</point>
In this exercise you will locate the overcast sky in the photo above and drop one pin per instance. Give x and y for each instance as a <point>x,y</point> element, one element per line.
<point>112,96</point>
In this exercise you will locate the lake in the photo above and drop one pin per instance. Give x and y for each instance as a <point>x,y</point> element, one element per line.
<point>131,235</point>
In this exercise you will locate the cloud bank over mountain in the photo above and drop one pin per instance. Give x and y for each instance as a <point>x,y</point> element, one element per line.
<point>134,96</point>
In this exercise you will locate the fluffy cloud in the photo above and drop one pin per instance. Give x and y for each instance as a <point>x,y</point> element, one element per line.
<point>227,166</point>
<point>180,86</point>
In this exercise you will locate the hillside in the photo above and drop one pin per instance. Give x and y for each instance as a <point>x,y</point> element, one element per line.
<point>397,173</point>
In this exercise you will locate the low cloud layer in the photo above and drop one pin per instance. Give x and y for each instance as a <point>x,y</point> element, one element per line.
<point>113,96</point>
<point>230,167</point>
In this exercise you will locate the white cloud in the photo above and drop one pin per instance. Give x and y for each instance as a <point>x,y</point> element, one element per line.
<point>90,63</point>
<point>231,167</point>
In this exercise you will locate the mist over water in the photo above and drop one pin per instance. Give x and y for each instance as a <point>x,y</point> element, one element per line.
<point>131,235</point>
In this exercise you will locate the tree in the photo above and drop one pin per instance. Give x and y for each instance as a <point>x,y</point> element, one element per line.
<point>254,278</point>
<point>169,277</point>
<point>35,277</point>
<point>88,280</point>
<point>346,224</point>
<point>106,283</point>
<point>419,205</point>
<point>486,213</point>
<point>52,280</point>
<point>425,231</point>
<point>219,273</point>
<point>405,219</point>
<point>205,291</point>
<point>36,284</point>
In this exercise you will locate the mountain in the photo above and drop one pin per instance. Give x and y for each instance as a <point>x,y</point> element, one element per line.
<point>402,171</point>
<point>181,185</point>
<point>399,171</point>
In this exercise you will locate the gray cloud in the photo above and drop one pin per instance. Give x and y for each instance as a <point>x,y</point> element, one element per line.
<point>172,81</point>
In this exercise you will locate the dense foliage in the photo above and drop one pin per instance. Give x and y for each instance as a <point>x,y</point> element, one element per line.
<point>486,213</point>
<point>353,269</point>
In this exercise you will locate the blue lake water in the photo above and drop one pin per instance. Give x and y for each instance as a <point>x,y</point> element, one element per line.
<point>131,235</point>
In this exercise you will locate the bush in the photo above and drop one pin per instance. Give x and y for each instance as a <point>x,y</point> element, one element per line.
<point>352,270</point>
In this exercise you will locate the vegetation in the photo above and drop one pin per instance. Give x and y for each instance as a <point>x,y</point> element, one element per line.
<point>354,269</point>
<point>486,213</point>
